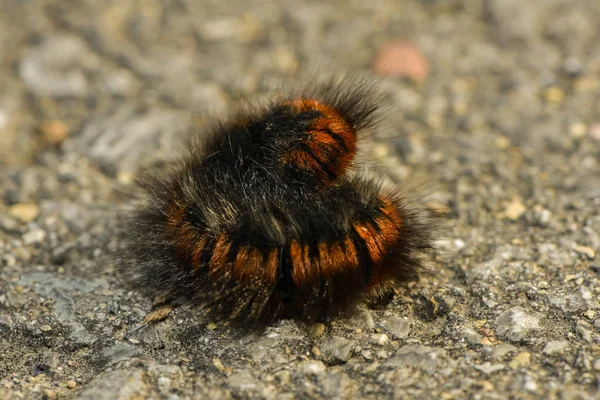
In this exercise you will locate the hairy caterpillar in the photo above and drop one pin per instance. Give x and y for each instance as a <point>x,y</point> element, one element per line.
<point>266,218</point>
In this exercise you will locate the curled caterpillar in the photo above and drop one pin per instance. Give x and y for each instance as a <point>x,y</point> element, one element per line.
<point>265,218</point>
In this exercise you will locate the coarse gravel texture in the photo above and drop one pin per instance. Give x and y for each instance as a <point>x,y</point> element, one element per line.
<point>503,132</point>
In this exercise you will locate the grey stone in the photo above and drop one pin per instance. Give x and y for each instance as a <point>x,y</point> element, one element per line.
<point>56,67</point>
<point>361,319</point>
<point>9,224</point>
<point>581,299</point>
<point>58,288</point>
<point>127,138</point>
<point>585,330</point>
<point>503,349</point>
<point>397,326</point>
<point>35,236</point>
<point>515,324</point>
<point>119,352</point>
<point>164,383</point>
<point>243,381</point>
<point>334,385</point>
<point>65,311</point>
<point>126,384</point>
<point>471,336</point>
<point>424,357</point>
<point>311,367</point>
<point>51,359</point>
<point>6,320</point>
<point>337,349</point>
<point>266,349</point>
<point>555,346</point>
<point>488,368</point>
<point>44,283</point>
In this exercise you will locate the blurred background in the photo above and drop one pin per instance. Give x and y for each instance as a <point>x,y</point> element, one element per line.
<point>73,71</point>
<point>495,102</point>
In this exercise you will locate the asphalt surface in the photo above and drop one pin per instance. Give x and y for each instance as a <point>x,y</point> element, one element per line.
<point>497,124</point>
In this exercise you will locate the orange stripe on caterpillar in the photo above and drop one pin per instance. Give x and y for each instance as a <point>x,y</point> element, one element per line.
<point>332,259</point>
<point>188,242</point>
<point>300,267</point>
<point>330,142</point>
<point>373,240</point>
<point>271,266</point>
<point>248,264</point>
<point>219,256</point>
<point>389,224</point>
<point>351,253</point>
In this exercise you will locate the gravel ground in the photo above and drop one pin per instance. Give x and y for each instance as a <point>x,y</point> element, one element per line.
<point>503,131</point>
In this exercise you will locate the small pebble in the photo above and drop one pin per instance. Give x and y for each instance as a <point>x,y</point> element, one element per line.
<point>34,236</point>
<point>488,368</point>
<point>585,250</point>
<point>554,95</point>
<point>45,328</point>
<point>584,330</point>
<point>71,384</point>
<point>582,299</point>
<point>573,66</point>
<point>216,362</point>
<point>515,323</point>
<point>317,329</point>
<point>55,132</point>
<point>26,212</point>
<point>50,394</point>
<point>158,315</point>
<point>163,383</point>
<point>594,132</point>
<point>578,130</point>
<point>243,381</point>
<point>555,346</point>
<point>284,377</point>
<point>311,367</point>
<point>471,336</point>
<point>211,326</point>
<point>125,177</point>
<point>424,357</point>
<point>8,223</point>
<point>541,216</point>
<point>398,327</point>
<point>520,360</point>
<point>513,210</point>
<point>502,142</point>
<point>402,59</point>
<point>337,349</point>
<point>380,338</point>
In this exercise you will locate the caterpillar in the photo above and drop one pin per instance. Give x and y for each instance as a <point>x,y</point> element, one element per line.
<point>267,217</point>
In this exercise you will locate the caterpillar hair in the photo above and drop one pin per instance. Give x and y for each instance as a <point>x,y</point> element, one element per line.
<point>266,217</point>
